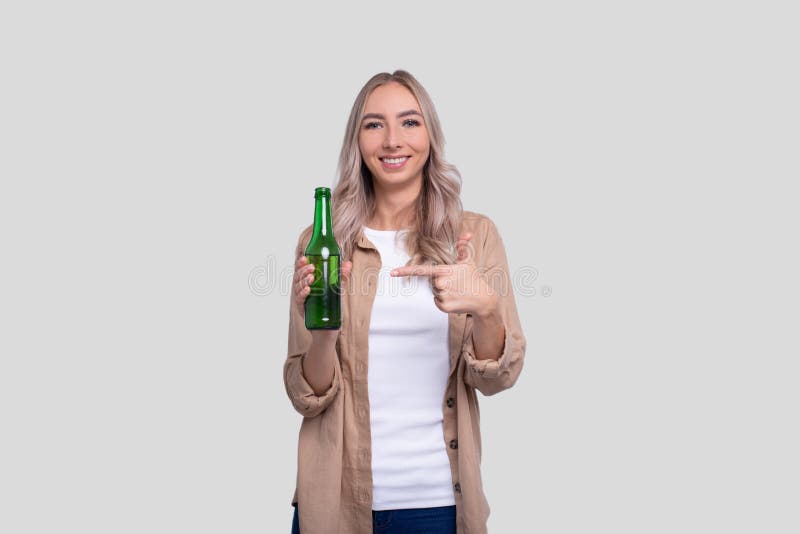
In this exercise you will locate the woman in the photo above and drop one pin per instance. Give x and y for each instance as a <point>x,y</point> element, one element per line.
<point>390,439</point>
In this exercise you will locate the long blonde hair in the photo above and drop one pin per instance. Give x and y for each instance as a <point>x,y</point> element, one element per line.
<point>438,208</point>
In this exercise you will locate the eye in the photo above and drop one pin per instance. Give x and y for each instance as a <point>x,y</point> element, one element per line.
<point>372,125</point>
<point>410,122</point>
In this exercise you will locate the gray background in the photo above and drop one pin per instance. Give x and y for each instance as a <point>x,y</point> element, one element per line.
<point>158,161</point>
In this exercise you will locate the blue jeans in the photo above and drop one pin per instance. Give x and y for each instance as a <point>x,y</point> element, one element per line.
<point>438,520</point>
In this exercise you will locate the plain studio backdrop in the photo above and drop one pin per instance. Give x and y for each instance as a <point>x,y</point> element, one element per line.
<point>158,161</point>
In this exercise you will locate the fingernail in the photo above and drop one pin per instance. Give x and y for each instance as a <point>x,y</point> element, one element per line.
<point>393,273</point>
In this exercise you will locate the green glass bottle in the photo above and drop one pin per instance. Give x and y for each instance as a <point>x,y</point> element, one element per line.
<point>323,307</point>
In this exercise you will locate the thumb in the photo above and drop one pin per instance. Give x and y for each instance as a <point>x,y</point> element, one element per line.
<point>464,252</point>
<point>347,268</point>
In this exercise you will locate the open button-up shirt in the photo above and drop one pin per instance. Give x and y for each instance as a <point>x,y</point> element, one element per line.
<point>334,463</point>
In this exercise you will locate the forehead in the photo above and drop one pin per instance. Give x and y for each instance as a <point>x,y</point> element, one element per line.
<point>390,96</point>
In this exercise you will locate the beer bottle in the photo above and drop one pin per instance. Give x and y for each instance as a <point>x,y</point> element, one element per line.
<point>323,304</point>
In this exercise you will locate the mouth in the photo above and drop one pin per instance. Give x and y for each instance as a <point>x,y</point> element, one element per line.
<point>394,162</point>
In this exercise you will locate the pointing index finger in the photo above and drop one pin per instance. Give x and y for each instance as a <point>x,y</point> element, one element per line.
<point>420,270</point>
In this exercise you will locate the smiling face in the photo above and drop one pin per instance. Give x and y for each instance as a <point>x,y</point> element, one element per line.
<point>393,138</point>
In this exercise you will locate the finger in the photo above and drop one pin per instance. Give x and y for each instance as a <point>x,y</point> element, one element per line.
<point>303,291</point>
<point>347,268</point>
<point>300,297</point>
<point>302,260</point>
<point>299,286</point>
<point>439,284</point>
<point>302,272</point>
<point>464,250</point>
<point>304,283</point>
<point>421,270</point>
<point>464,240</point>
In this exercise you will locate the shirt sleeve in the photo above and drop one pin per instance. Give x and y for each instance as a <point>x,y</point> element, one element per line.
<point>300,392</point>
<point>491,376</point>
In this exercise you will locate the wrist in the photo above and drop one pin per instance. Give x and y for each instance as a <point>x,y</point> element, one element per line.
<point>324,338</point>
<point>490,311</point>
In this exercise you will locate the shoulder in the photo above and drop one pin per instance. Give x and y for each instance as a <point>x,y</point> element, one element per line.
<point>479,225</point>
<point>473,217</point>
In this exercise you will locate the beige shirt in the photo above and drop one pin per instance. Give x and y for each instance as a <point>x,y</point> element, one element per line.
<point>334,464</point>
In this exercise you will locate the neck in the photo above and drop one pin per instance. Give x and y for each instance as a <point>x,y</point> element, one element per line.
<point>395,209</point>
<point>322,217</point>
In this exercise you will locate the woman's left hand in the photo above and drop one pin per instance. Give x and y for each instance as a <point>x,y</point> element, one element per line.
<point>457,288</point>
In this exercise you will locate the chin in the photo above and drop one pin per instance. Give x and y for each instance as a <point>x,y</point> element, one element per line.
<point>394,180</point>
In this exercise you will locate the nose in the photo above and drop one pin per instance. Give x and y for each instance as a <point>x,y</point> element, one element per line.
<point>390,139</point>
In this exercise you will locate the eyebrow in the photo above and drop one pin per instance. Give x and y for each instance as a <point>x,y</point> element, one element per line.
<point>400,115</point>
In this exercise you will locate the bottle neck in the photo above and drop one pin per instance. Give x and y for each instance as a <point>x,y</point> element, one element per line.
<point>322,216</point>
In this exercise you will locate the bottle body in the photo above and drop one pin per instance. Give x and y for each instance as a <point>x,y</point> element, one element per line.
<point>323,308</point>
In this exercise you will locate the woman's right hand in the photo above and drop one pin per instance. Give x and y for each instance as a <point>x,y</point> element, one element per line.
<point>304,275</point>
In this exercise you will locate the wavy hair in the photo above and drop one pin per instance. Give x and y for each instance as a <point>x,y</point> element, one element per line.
<point>438,209</point>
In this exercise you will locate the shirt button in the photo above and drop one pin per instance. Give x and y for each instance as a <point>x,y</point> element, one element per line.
<point>360,367</point>
<point>451,402</point>
<point>457,487</point>
<point>362,412</point>
<point>453,443</point>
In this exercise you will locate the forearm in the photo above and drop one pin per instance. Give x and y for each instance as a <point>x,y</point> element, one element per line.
<point>319,361</point>
<point>488,333</point>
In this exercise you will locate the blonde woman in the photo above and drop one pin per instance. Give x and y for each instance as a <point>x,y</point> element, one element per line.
<point>390,438</point>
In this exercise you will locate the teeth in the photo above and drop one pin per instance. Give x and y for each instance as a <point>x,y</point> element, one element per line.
<point>394,161</point>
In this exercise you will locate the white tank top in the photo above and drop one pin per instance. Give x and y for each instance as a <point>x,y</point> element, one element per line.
<point>408,366</point>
